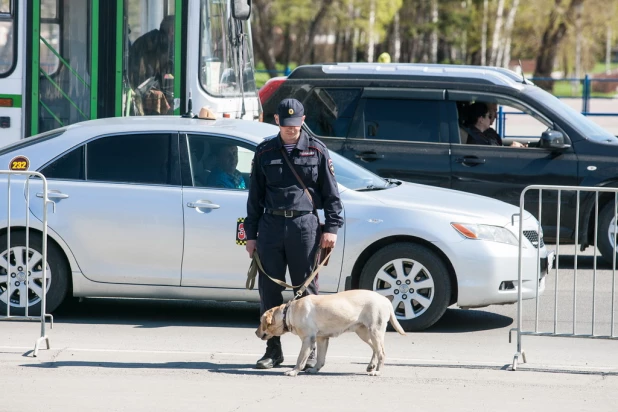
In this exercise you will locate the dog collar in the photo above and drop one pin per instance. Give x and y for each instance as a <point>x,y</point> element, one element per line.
<point>285,314</point>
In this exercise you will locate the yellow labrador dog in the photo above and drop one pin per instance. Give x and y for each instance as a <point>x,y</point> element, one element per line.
<point>316,318</point>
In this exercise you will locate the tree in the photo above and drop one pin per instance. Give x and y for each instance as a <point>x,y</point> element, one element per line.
<point>561,18</point>
<point>495,43</point>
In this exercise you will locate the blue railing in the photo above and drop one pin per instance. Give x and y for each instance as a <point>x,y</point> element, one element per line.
<point>285,72</point>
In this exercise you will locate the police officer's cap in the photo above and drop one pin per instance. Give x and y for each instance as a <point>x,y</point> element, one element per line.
<point>290,112</point>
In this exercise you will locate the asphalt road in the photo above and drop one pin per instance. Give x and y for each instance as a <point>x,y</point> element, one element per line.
<point>146,355</point>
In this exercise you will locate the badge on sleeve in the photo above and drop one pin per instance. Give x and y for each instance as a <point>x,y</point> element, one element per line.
<point>241,236</point>
<point>331,167</point>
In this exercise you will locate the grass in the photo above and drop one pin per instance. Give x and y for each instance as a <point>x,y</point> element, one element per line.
<point>261,76</point>
<point>565,88</point>
<point>600,67</point>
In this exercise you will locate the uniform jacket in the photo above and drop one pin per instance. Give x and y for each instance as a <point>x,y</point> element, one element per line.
<point>274,186</point>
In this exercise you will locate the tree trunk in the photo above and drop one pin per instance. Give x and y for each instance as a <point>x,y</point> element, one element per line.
<point>313,28</point>
<point>495,42</point>
<point>484,33</point>
<point>608,49</point>
<point>508,35</point>
<point>560,18</point>
<point>434,31</point>
<point>262,35</point>
<point>396,39</point>
<point>370,32</point>
<point>287,46</point>
<point>578,43</point>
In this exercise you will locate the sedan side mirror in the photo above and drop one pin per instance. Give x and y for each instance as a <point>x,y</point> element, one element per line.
<point>553,140</point>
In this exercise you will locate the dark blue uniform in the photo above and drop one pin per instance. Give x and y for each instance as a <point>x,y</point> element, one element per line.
<point>282,217</point>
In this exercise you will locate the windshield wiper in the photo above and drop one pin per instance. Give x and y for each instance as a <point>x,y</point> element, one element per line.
<point>393,181</point>
<point>370,188</point>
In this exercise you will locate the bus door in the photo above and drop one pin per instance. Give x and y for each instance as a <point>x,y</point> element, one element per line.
<point>11,73</point>
<point>149,76</point>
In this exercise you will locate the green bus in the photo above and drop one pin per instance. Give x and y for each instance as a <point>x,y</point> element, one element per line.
<point>66,61</point>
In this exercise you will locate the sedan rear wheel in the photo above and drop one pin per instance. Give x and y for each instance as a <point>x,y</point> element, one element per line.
<point>27,264</point>
<point>414,279</point>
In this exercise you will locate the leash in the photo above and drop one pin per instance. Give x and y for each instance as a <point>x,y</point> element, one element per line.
<point>256,264</point>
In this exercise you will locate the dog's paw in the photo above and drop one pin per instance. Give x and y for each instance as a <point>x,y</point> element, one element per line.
<point>292,372</point>
<point>371,367</point>
<point>312,370</point>
<point>374,373</point>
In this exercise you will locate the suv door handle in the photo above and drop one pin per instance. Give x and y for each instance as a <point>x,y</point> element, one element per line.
<point>53,194</point>
<point>203,204</point>
<point>470,161</point>
<point>369,156</point>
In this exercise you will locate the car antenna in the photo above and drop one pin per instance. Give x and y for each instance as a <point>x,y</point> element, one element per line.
<point>190,113</point>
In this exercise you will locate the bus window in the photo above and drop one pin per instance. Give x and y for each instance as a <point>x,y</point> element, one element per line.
<point>50,32</point>
<point>150,70</point>
<point>217,56</point>
<point>5,7</point>
<point>7,40</point>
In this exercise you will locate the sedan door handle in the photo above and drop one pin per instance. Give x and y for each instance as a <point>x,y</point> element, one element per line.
<point>203,204</point>
<point>53,194</point>
<point>369,156</point>
<point>470,161</point>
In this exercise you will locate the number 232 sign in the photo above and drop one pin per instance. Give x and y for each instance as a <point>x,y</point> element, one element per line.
<point>20,163</point>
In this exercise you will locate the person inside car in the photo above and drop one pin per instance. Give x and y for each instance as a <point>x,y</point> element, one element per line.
<point>480,117</point>
<point>491,132</point>
<point>224,174</point>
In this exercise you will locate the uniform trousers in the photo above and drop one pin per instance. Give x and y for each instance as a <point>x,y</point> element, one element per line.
<point>290,243</point>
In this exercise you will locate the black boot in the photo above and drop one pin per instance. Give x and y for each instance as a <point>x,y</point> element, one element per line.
<point>273,356</point>
<point>311,360</point>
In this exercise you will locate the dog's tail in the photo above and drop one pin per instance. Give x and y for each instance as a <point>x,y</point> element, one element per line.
<point>393,321</point>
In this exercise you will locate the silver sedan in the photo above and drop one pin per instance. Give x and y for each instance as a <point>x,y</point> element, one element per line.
<point>138,214</point>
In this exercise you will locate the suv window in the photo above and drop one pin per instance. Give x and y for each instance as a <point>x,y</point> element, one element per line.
<point>402,119</point>
<point>329,111</point>
<point>139,158</point>
<point>69,166</point>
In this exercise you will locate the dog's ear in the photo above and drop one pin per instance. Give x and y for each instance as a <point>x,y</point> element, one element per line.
<point>268,317</point>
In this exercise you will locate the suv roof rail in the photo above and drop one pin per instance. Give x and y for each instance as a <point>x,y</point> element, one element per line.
<point>493,75</point>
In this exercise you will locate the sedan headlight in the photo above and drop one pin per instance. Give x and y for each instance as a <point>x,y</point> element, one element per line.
<point>486,232</point>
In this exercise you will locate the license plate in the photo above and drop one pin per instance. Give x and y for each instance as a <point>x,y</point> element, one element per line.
<point>550,260</point>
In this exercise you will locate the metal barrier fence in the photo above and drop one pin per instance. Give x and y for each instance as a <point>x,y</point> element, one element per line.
<point>592,191</point>
<point>18,276</point>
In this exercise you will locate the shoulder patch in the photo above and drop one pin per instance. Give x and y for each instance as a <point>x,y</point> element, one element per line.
<point>331,167</point>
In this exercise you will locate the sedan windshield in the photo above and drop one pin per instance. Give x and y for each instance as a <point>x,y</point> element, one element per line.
<point>354,177</point>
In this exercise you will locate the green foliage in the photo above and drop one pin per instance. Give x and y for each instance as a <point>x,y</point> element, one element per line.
<point>459,28</point>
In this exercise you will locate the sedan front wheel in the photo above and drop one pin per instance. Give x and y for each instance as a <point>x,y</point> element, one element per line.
<point>414,279</point>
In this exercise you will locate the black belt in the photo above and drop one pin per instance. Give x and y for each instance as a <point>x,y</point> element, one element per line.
<point>287,213</point>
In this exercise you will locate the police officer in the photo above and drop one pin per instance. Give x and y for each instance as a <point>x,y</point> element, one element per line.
<point>282,223</point>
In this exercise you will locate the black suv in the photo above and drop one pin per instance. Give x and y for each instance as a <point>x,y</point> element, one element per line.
<point>404,121</point>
